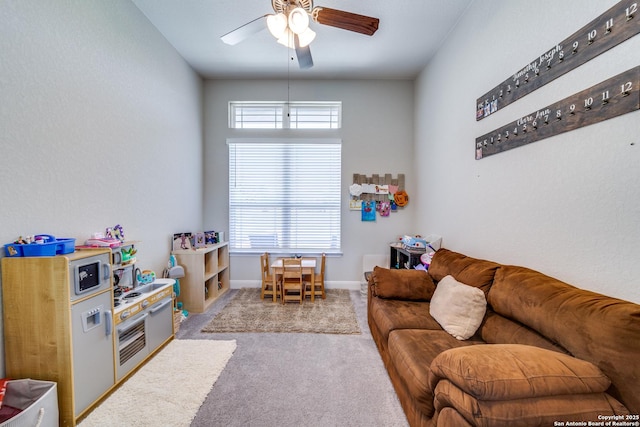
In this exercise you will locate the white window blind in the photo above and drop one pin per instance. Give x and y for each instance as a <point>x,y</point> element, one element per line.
<point>284,195</point>
<point>285,115</point>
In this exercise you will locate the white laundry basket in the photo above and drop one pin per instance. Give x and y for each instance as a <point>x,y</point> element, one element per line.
<point>38,401</point>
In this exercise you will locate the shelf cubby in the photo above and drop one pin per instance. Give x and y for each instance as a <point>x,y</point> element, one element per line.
<point>204,269</point>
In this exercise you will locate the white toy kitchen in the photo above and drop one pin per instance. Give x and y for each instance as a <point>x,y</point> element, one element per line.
<point>81,320</point>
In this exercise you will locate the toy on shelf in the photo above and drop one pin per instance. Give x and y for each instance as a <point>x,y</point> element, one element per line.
<point>425,260</point>
<point>414,242</point>
<point>145,276</point>
<point>102,242</point>
<point>128,255</point>
<point>116,232</point>
<point>176,272</point>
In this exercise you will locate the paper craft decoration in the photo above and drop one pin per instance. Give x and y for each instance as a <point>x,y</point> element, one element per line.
<point>369,188</point>
<point>355,204</point>
<point>382,189</point>
<point>355,190</point>
<point>384,208</point>
<point>368,210</point>
<point>401,198</point>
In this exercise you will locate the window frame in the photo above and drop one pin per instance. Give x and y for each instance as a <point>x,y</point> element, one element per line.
<point>282,111</point>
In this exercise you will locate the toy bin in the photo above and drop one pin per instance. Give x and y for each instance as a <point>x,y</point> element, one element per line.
<point>50,247</point>
<point>35,401</point>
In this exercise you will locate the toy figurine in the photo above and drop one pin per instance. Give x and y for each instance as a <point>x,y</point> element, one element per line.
<point>128,255</point>
<point>118,232</point>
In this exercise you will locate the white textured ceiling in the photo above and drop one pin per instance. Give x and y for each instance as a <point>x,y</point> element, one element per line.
<point>410,32</point>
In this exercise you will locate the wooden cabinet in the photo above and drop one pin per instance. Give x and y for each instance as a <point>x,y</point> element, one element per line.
<point>206,275</point>
<point>404,258</point>
<point>43,333</point>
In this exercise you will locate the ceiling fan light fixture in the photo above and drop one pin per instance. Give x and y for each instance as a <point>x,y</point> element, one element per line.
<point>298,20</point>
<point>287,39</point>
<point>277,24</point>
<point>306,37</point>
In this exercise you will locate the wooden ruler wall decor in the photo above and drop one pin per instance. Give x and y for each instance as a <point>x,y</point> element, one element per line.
<point>614,26</point>
<point>611,98</point>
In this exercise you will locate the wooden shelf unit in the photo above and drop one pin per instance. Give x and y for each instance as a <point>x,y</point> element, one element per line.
<point>206,275</point>
<point>400,257</point>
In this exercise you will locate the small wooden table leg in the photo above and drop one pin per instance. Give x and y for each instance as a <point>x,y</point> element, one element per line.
<point>313,286</point>
<point>274,286</point>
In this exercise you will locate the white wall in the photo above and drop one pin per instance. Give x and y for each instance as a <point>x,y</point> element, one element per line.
<point>101,124</point>
<point>377,138</point>
<point>569,205</point>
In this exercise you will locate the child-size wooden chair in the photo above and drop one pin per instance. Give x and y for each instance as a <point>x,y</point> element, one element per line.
<point>292,285</point>
<point>267,279</point>
<point>318,285</point>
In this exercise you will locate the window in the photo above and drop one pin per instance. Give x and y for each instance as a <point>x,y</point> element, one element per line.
<point>284,195</point>
<point>285,115</point>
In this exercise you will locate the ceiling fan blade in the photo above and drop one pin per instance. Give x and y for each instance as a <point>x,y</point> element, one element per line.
<point>245,31</point>
<point>346,20</point>
<point>304,55</point>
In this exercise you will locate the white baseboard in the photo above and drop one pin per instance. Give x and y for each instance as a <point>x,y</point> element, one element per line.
<point>351,285</point>
<point>239,284</point>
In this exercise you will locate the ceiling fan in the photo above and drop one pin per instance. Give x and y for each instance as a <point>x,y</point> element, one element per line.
<point>290,25</point>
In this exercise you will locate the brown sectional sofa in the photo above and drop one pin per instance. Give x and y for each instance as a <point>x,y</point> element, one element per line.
<point>546,352</point>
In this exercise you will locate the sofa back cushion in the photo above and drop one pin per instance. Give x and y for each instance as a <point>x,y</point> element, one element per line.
<point>497,329</point>
<point>602,330</point>
<point>470,271</point>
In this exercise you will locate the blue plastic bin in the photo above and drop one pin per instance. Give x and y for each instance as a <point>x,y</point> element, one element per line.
<point>50,247</point>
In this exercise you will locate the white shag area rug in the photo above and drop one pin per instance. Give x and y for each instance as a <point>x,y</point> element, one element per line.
<point>168,390</point>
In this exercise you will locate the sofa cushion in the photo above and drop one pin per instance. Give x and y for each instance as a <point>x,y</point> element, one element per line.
<point>514,371</point>
<point>600,329</point>
<point>497,329</point>
<point>458,308</point>
<point>450,417</point>
<point>412,285</point>
<point>389,315</point>
<point>411,352</point>
<point>533,411</point>
<point>471,271</point>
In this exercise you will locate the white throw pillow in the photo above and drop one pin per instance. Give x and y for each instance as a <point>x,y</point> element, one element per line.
<point>457,307</point>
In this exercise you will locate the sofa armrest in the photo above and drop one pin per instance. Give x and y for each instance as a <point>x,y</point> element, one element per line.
<point>515,371</point>
<point>403,284</point>
<point>451,403</point>
<point>513,384</point>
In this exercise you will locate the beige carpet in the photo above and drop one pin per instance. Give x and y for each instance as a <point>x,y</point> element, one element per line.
<point>168,390</point>
<point>246,312</point>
